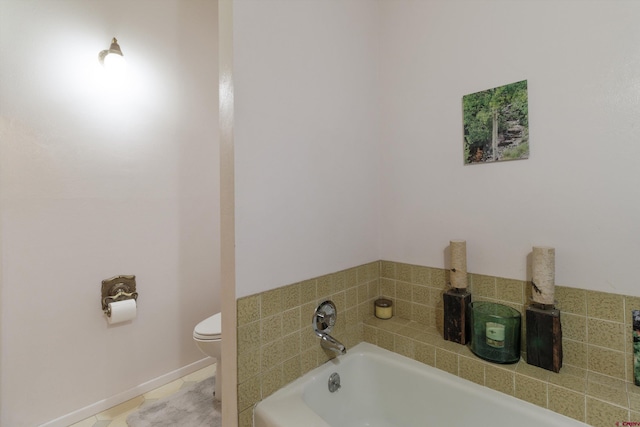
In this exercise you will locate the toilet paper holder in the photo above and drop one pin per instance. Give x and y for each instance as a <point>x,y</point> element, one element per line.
<point>118,288</point>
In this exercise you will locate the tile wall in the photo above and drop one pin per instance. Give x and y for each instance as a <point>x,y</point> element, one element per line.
<point>276,343</point>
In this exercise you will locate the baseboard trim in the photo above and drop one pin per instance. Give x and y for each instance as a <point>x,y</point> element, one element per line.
<point>110,402</point>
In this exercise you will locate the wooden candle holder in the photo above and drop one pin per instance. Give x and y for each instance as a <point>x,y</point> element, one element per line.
<point>456,315</point>
<point>544,337</point>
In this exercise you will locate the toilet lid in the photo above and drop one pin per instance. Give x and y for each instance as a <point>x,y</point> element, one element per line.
<point>209,329</point>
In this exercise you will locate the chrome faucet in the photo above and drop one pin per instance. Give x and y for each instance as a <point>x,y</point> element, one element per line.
<point>323,320</point>
<point>330,343</point>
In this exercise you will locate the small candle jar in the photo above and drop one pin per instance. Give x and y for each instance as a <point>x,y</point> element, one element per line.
<point>495,334</point>
<point>383,308</point>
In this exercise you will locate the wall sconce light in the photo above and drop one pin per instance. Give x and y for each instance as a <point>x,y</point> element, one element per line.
<point>112,58</point>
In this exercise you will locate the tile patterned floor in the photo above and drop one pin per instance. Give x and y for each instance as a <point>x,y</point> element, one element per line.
<point>117,416</point>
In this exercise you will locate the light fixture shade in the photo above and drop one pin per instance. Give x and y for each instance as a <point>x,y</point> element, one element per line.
<point>113,51</point>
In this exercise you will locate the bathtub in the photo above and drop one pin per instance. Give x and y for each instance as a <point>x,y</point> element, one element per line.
<point>380,388</point>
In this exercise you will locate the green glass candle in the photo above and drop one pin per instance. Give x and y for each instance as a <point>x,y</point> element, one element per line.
<point>495,332</point>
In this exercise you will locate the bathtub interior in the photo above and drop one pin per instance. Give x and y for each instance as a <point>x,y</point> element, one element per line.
<point>380,388</point>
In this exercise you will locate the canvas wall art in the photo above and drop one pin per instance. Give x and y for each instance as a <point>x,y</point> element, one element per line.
<point>496,124</point>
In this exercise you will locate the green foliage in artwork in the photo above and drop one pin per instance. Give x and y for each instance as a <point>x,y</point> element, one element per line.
<point>516,153</point>
<point>508,102</point>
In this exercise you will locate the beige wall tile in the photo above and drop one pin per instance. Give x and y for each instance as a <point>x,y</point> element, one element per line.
<point>472,370</point>
<point>291,343</point>
<point>340,300</point>
<point>308,360</point>
<point>607,334</point>
<point>388,269</point>
<point>385,340</point>
<point>603,414</point>
<point>531,390</point>
<point>421,275</point>
<point>425,353</point>
<point>605,361</point>
<point>350,316</point>
<point>291,321</point>
<point>574,353</point>
<point>567,402</point>
<point>308,291</point>
<point>510,290</point>
<point>388,288</point>
<point>339,281</point>
<point>523,368</point>
<point>249,337</point>
<point>502,380</point>
<point>291,369</point>
<point>606,306</point>
<point>422,314</point>
<point>571,300</point>
<point>245,419</point>
<point>371,334</point>
<point>271,328</point>
<point>447,361</point>
<point>248,393</point>
<point>435,297</point>
<point>402,309</point>
<point>614,392</point>
<point>563,379</point>
<point>248,365</point>
<point>373,287</point>
<point>271,381</point>
<point>404,272</point>
<point>270,303</point>
<point>420,294</point>
<point>291,296</point>
<point>363,293</point>
<point>324,286</point>
<point>634,397</point>
<point>483,286</point>
<point>403,291</point>
<point>351,277</point>
<point>404,346</point>
<point>439,278</point>
<point>248,309</point>
<point>574,327</point>
<point>351,297</point>
<point>270,355</point>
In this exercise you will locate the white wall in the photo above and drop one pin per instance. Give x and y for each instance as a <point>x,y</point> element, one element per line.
<point>97,181</point>
<point>306,103</point>
<point>578,191</point>
<point>320,84</point>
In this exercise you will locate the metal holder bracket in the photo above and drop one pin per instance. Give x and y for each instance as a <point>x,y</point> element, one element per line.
<point>118,288</point>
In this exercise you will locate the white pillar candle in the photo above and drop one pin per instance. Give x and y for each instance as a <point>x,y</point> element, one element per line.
<point>458,263</point>
<point>543,274</point>
<point>495,334</point>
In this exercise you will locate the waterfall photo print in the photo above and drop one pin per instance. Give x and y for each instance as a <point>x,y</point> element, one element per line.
<point>496,124</point>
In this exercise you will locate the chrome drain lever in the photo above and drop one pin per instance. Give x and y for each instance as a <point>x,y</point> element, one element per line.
<point>334,382</point>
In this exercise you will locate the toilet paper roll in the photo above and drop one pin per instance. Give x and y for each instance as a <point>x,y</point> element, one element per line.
<point>121,311</point>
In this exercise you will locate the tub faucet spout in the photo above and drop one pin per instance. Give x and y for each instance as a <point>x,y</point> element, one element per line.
<point>330,343</point>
